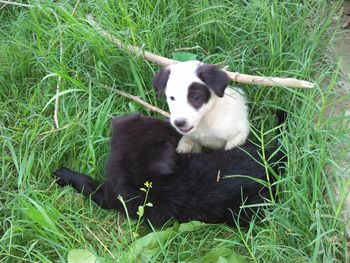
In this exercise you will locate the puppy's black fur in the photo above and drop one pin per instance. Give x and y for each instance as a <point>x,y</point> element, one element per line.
<point>185,186</point>
<point>198,94</point>
<point>160,80</point>
<point>215,78</point>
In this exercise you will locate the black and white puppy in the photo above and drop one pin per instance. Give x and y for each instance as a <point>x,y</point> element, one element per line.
<point>209,187</point>
<point>201,106</point>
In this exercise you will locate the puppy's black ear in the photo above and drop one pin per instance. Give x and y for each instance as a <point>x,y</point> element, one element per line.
<point>160,80</point>
<point>164,160</point>
<point>215,78</point>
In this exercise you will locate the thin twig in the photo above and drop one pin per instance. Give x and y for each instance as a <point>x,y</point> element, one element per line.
<point>138,100</point>
<point>142,102</point>
<point>191,48</point>
<point>55,114</point>
<point>187,48</point>
<point>4,5</point>
<point>54,130</point>
<point>218,176</point>
<point>234,76</point>
<point>14,3</point>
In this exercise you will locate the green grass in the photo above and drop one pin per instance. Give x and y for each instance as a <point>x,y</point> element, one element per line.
<point>41,222</point>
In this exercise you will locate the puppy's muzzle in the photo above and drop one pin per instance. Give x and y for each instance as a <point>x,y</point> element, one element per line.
<point>180,123</point>
<point>182,126</point>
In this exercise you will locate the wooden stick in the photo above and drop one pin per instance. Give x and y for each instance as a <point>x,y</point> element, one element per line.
<point>234,76</point>
<point>14,3</point>
<point>143,103</point>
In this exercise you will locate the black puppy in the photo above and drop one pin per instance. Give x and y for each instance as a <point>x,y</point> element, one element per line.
<point>185,186</point>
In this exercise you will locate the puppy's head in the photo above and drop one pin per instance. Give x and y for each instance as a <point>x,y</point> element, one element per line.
<point>144,145</point>
<point>191,89</point>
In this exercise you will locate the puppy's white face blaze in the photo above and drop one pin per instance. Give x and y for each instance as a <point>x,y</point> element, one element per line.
<point>189,99</point>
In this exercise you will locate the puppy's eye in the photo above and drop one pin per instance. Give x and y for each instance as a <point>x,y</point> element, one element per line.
<point>195,96</point>
<point>172,98</point>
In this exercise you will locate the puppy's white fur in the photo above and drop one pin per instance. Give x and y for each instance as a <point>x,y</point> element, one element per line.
<point>221,123</point>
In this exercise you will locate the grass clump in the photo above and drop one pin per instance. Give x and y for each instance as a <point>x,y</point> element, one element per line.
<point>42,222</point>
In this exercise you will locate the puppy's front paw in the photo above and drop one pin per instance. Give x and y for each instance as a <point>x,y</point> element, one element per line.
<point>239,140</point>
<point>184,146</point>
<point>63,176</point>
<point>197,147</point>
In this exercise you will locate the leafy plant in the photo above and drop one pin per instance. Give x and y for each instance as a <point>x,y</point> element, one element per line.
<point>82,256</point>
<point>184,56</point>
<point>141,209</point>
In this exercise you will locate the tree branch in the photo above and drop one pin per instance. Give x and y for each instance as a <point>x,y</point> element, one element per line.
<point>143,103</point>
<point>14,3</point>
<point>234,76</point>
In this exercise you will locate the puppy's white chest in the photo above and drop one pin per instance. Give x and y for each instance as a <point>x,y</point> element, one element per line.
<point>207,138</point>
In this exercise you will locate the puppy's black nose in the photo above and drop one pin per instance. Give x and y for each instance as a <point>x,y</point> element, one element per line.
<point>180,123</point>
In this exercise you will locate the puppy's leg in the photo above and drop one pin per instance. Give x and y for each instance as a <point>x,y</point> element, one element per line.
<point>197,147</point>
<point>237,140</point>
<point>185,145</point>
<point>234,143</point>
<point>85,185</point>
